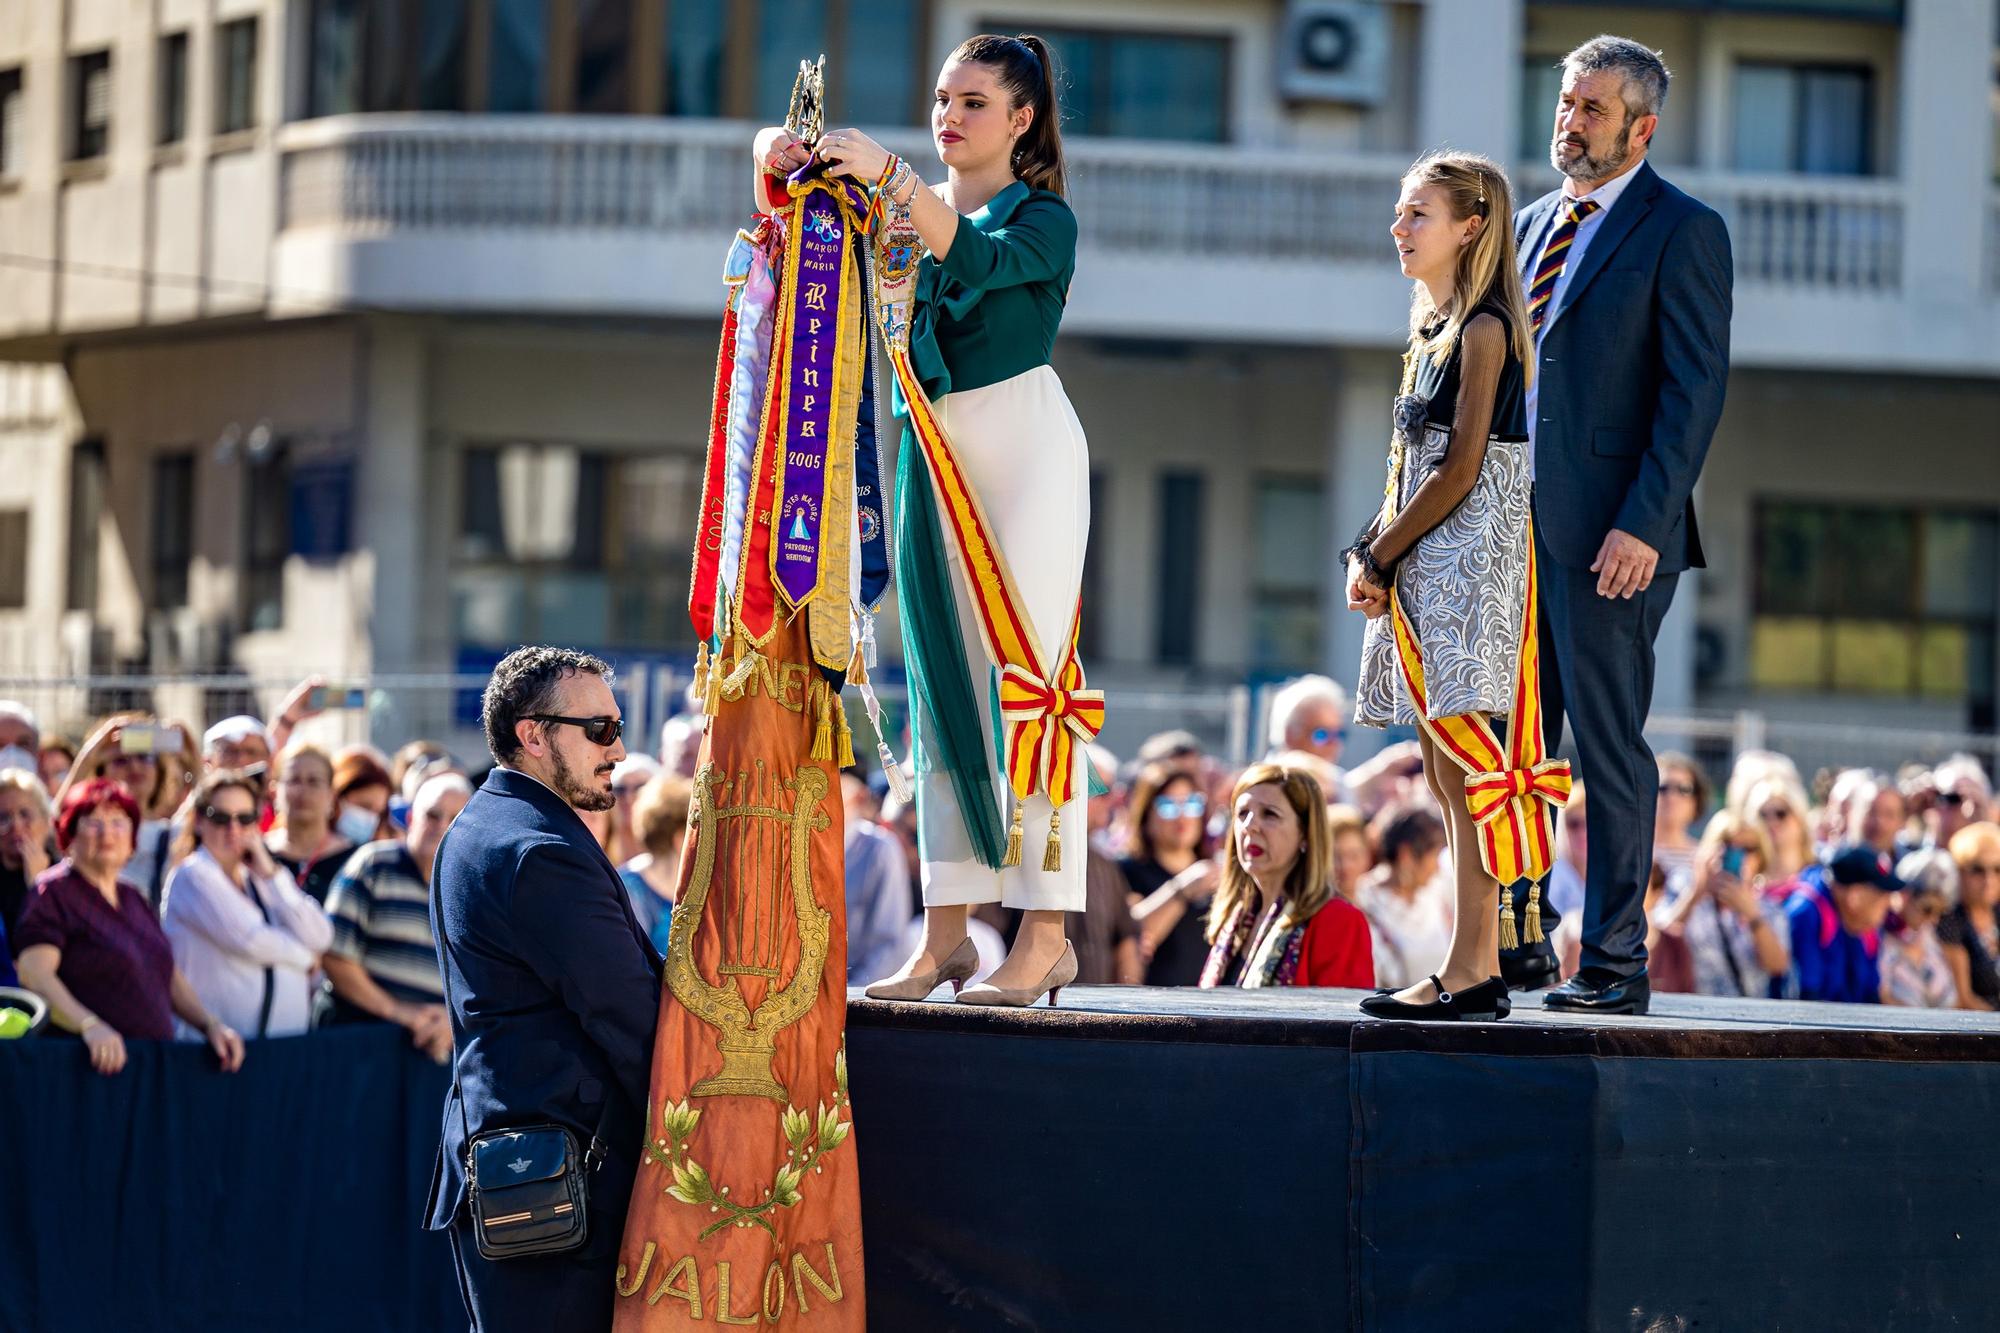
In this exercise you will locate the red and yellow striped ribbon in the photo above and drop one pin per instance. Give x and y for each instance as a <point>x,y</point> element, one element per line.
<point>1044,723</point>
<point>1044,713</point>
<point>1511,790</point>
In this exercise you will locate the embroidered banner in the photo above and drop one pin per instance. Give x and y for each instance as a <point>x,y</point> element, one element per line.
<point>747,1206</point>
<point>819,310</point>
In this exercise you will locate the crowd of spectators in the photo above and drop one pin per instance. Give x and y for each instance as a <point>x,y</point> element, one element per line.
<point>156,883</point>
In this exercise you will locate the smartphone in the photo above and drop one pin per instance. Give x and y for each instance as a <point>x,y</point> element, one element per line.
<point>323,697</point>
<point>1732,861</point>
<point>150,738</point>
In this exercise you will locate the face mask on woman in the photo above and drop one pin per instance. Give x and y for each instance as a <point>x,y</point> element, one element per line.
<point>357,824</point>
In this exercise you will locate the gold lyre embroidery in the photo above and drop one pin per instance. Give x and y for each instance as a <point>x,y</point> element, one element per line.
<point>759,829</point>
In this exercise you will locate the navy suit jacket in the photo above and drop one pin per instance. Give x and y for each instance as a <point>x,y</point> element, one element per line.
<point>1631,374</point>
<point>554,989</point>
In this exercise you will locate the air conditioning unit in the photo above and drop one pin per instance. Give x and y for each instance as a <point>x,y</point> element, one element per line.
<point>1334,51</point>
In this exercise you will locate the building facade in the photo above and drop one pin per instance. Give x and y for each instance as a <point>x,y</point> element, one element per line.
<point>373,336</point>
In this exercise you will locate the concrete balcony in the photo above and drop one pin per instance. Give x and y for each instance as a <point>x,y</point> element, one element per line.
<point>629,217</point>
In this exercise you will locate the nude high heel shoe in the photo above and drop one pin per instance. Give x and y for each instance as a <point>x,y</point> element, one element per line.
<point>957,969</point>
<point>1059,976</point>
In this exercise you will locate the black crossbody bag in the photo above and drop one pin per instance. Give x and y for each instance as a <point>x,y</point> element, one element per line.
<point>527,1188</point>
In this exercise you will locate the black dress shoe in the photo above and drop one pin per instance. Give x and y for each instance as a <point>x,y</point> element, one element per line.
<point>1485,1003</point>
<point>1595,991</point>
<point>1530,967</point>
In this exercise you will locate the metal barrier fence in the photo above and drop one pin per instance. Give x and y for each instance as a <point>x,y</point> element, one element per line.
<point>1230,721</point>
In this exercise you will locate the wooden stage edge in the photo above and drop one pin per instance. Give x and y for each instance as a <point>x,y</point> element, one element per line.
<point>1678,1026</point>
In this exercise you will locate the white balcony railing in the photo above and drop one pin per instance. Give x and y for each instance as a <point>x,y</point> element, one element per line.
<point>1818,233</point>
<point>383,173</point>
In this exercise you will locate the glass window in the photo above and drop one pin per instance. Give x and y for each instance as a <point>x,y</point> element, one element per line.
<point>603,47</point>
<point>1876,600</point>
<point>267,538</point>
<point>697,38</point>
<point>1287,591</point>
<point>1541,88</point>
<point>13,559</point>
<point>1816,119</point>
<point>788,31</point>
<point>1140,85</point>
<point>334,77</point>
<point>13,122</point>
<point>517,66</point>
<point>173,528</point>
<point>86,506</point>
<point>441,56</point>
<point>561,543</point>
<point>876,83</point>
<point>170,115</point>
<point>89,105</point>
<point>1179,566</point>
<point>236,62</point>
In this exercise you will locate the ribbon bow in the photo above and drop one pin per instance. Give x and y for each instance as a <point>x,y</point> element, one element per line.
<point>1042,723</point>
<point>1487,795</point>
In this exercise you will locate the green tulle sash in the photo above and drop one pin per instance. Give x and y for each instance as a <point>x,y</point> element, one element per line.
<point>948,712</point>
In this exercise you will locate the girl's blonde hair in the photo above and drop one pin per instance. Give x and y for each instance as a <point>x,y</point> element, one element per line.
<point>1473,186</point>
<point>1309,883</point>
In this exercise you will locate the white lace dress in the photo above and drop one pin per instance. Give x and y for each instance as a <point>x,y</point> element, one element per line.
<point>1464,584</point>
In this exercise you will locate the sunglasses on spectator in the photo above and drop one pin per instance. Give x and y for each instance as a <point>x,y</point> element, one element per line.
<point>627,790</point>
<point>1677,788</point>
<point>1322,735</point>
<point>1166,807</point>
<point>1954,799</point>
<point>244,819</point>
<point>601,731</point>
<point>1775,814</point>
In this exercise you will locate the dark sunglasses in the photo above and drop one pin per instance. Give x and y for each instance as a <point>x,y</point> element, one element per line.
<point>1678,788</point>
<point>1954,799</point>
<point>603,731</point>
<point>247,819</point>
<point>1775,814</point>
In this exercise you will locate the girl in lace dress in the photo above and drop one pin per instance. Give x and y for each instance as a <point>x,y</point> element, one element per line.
<point>1452,537</point>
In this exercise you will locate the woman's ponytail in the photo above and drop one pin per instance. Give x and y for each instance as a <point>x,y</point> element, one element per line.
<point>1027,70</point>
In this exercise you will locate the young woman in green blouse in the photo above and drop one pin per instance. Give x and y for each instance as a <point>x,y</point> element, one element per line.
<point>1002,245</point>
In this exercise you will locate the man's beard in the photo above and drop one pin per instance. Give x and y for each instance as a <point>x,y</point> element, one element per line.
<point>1584,167</point>
<point>579,795</point>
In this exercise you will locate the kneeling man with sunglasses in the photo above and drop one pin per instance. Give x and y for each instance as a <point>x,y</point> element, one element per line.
<point>554,991</point>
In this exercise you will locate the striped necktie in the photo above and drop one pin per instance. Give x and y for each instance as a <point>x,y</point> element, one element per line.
<point>1554,256</point>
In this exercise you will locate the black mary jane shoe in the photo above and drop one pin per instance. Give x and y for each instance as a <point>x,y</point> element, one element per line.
<point>1485,1003</point>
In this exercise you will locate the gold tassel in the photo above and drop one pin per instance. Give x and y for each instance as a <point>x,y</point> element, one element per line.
<point>1052,850</point>
<point>845,732</point>
<point>857,669</point>
<point>739,676</point>
<point>1013,856</point>
<point>1508,939</point>
<point>899,781</point>
<point>701,674</point>
<point>823,733</point>
<point>1531,920</point>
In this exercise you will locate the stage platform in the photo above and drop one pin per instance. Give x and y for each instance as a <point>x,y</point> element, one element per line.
<point>1157,1160</point>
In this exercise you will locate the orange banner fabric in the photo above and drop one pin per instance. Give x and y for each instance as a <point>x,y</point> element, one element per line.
<point>747,1208</point>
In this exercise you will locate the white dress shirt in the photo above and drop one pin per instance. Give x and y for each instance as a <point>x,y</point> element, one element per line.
<point>223,942</point>
<point>1606,197</point>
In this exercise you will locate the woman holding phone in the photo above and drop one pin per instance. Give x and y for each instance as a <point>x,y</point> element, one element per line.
<point>153,761</point>
<point>1735,935</point>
